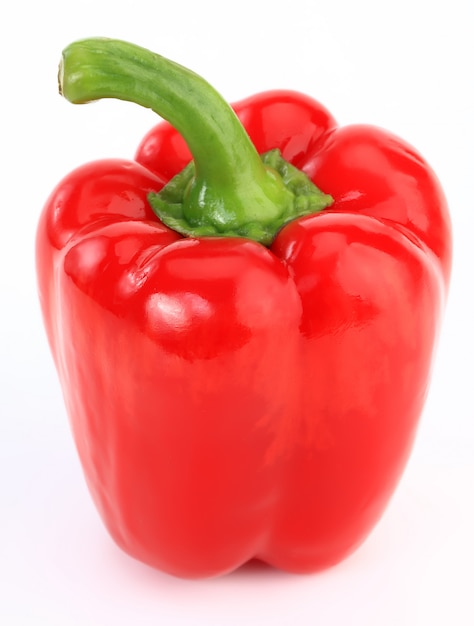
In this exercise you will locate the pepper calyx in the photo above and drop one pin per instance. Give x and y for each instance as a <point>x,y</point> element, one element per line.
<point>177,204</point>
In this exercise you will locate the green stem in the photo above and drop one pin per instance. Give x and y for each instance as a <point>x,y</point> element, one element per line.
<point>228,189</point>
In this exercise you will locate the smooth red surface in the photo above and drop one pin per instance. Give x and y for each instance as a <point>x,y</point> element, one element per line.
<point>230,401</point>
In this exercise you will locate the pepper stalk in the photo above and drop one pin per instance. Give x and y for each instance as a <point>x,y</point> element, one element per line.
<point>228,189</point>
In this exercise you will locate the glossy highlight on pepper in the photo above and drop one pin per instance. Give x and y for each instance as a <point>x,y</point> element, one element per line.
<point>248,383</point>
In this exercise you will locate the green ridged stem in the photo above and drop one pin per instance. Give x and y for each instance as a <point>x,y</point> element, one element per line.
<point>228,189</point>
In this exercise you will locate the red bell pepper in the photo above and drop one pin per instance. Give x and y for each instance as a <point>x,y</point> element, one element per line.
<point>247,381</point>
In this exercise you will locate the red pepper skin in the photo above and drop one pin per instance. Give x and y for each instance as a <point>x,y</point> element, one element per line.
<point>230,401</point>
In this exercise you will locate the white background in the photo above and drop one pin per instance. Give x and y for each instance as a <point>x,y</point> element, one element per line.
<point>405,65</point>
